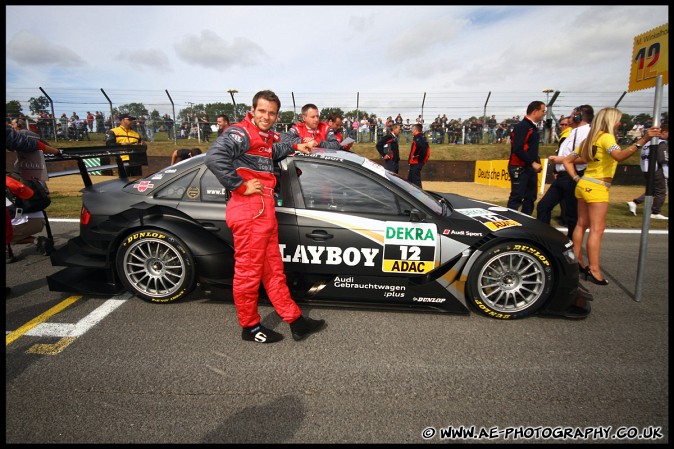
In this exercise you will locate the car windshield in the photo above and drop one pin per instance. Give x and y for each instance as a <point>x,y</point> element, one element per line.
<point>416,192</point>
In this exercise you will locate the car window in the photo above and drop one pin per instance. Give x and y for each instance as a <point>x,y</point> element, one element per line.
<point>212,190</point>
<point>175,190</point>
<point>331,187</point>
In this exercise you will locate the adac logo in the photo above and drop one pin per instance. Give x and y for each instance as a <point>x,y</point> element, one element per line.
<point>143,186</point>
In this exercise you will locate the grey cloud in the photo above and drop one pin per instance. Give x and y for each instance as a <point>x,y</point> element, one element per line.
<point>360,23</point>
<point>27,48</point>
<point>425,38</point>
<point>211,51</point>
<point>151,58</point>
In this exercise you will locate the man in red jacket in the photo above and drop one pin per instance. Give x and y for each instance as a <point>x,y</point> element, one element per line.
<point>312,129</point>
<point>419,154</point>
<point>242,159</point>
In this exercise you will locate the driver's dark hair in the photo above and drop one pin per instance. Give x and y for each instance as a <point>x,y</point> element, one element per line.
<point>308,106</point>
<point>267,95</point>
<point>534,106</point>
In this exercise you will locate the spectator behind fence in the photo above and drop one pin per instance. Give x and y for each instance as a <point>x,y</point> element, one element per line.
<point>660,175</point>
<point>100,122</point>
<point>205,127</point>
<point>123,134</point>
<point>90,121</point>
<point>601,153</point>
<point>407,129</point>
<point>223,123</point>
<point>150,125</point>
<point>363,129</point>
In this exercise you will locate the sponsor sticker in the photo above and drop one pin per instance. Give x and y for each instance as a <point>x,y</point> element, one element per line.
<point>490,219</point>
<point>142,186</point>
<point>193,192</point>
<point>329,255</point>
<point>409,247</point>
<point>391,289</point>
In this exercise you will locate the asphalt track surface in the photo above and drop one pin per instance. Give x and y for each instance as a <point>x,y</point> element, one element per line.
<point>120,370</point>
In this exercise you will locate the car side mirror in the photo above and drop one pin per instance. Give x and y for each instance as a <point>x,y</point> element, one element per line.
<point>416,216</point>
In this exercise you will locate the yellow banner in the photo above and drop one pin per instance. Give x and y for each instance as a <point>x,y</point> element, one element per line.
<point>495,173</point>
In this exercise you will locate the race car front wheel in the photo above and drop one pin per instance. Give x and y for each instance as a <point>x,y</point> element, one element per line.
<point>156,266</point>
<point>509,281</point>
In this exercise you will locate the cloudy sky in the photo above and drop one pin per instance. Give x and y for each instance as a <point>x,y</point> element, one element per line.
<point>383,60</point>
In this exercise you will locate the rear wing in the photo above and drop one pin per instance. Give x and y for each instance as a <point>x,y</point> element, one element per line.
<point>125,157</point>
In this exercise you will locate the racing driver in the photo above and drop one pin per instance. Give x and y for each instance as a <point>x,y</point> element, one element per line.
<point>242,158</point>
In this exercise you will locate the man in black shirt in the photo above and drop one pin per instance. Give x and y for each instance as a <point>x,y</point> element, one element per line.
<point>387,147</point>
<point>524,163</point>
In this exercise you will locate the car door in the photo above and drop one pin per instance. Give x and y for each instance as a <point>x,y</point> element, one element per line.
<point>350,222</point>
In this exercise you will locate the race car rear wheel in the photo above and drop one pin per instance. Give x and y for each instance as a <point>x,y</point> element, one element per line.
<point>510,280</point>
<point>156,266</point>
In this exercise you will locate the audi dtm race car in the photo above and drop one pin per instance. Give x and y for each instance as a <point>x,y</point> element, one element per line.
<point>350,233</point>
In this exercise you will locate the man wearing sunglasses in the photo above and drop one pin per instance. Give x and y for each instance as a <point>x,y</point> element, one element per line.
<point>561,191</point>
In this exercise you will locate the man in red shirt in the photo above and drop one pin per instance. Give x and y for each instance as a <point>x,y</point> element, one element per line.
<point>312,129</point>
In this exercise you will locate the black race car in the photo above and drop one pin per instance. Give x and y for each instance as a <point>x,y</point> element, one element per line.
<point>350,232</point>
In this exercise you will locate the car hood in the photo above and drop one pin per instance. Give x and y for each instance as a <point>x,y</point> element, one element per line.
<point>502,221</point>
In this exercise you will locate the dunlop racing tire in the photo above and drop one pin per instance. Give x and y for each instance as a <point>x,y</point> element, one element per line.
<point>156,266</point>
<point>509,281</point>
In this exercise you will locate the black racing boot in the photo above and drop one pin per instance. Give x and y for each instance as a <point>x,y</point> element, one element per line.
<point>302,327</point>
<point>260,334</point>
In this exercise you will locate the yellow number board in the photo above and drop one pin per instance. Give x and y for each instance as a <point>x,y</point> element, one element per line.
<point>650,58</point>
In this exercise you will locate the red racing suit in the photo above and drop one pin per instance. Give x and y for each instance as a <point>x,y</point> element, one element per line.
<point>323,134</point>
<point>243,152</point>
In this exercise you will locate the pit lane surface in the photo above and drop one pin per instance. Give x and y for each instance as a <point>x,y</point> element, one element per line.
<point>120,370</point>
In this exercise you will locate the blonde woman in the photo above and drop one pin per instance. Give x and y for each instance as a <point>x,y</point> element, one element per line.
<point>602,154</point>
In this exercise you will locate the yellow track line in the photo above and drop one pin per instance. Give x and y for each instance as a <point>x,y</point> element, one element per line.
<point>40,319</point>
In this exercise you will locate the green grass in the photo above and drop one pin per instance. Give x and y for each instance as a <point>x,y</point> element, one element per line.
<point>164,147</point>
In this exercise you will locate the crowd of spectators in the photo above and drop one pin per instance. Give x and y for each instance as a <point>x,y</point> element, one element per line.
<point>368,129</point>
<point>441,130</point>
